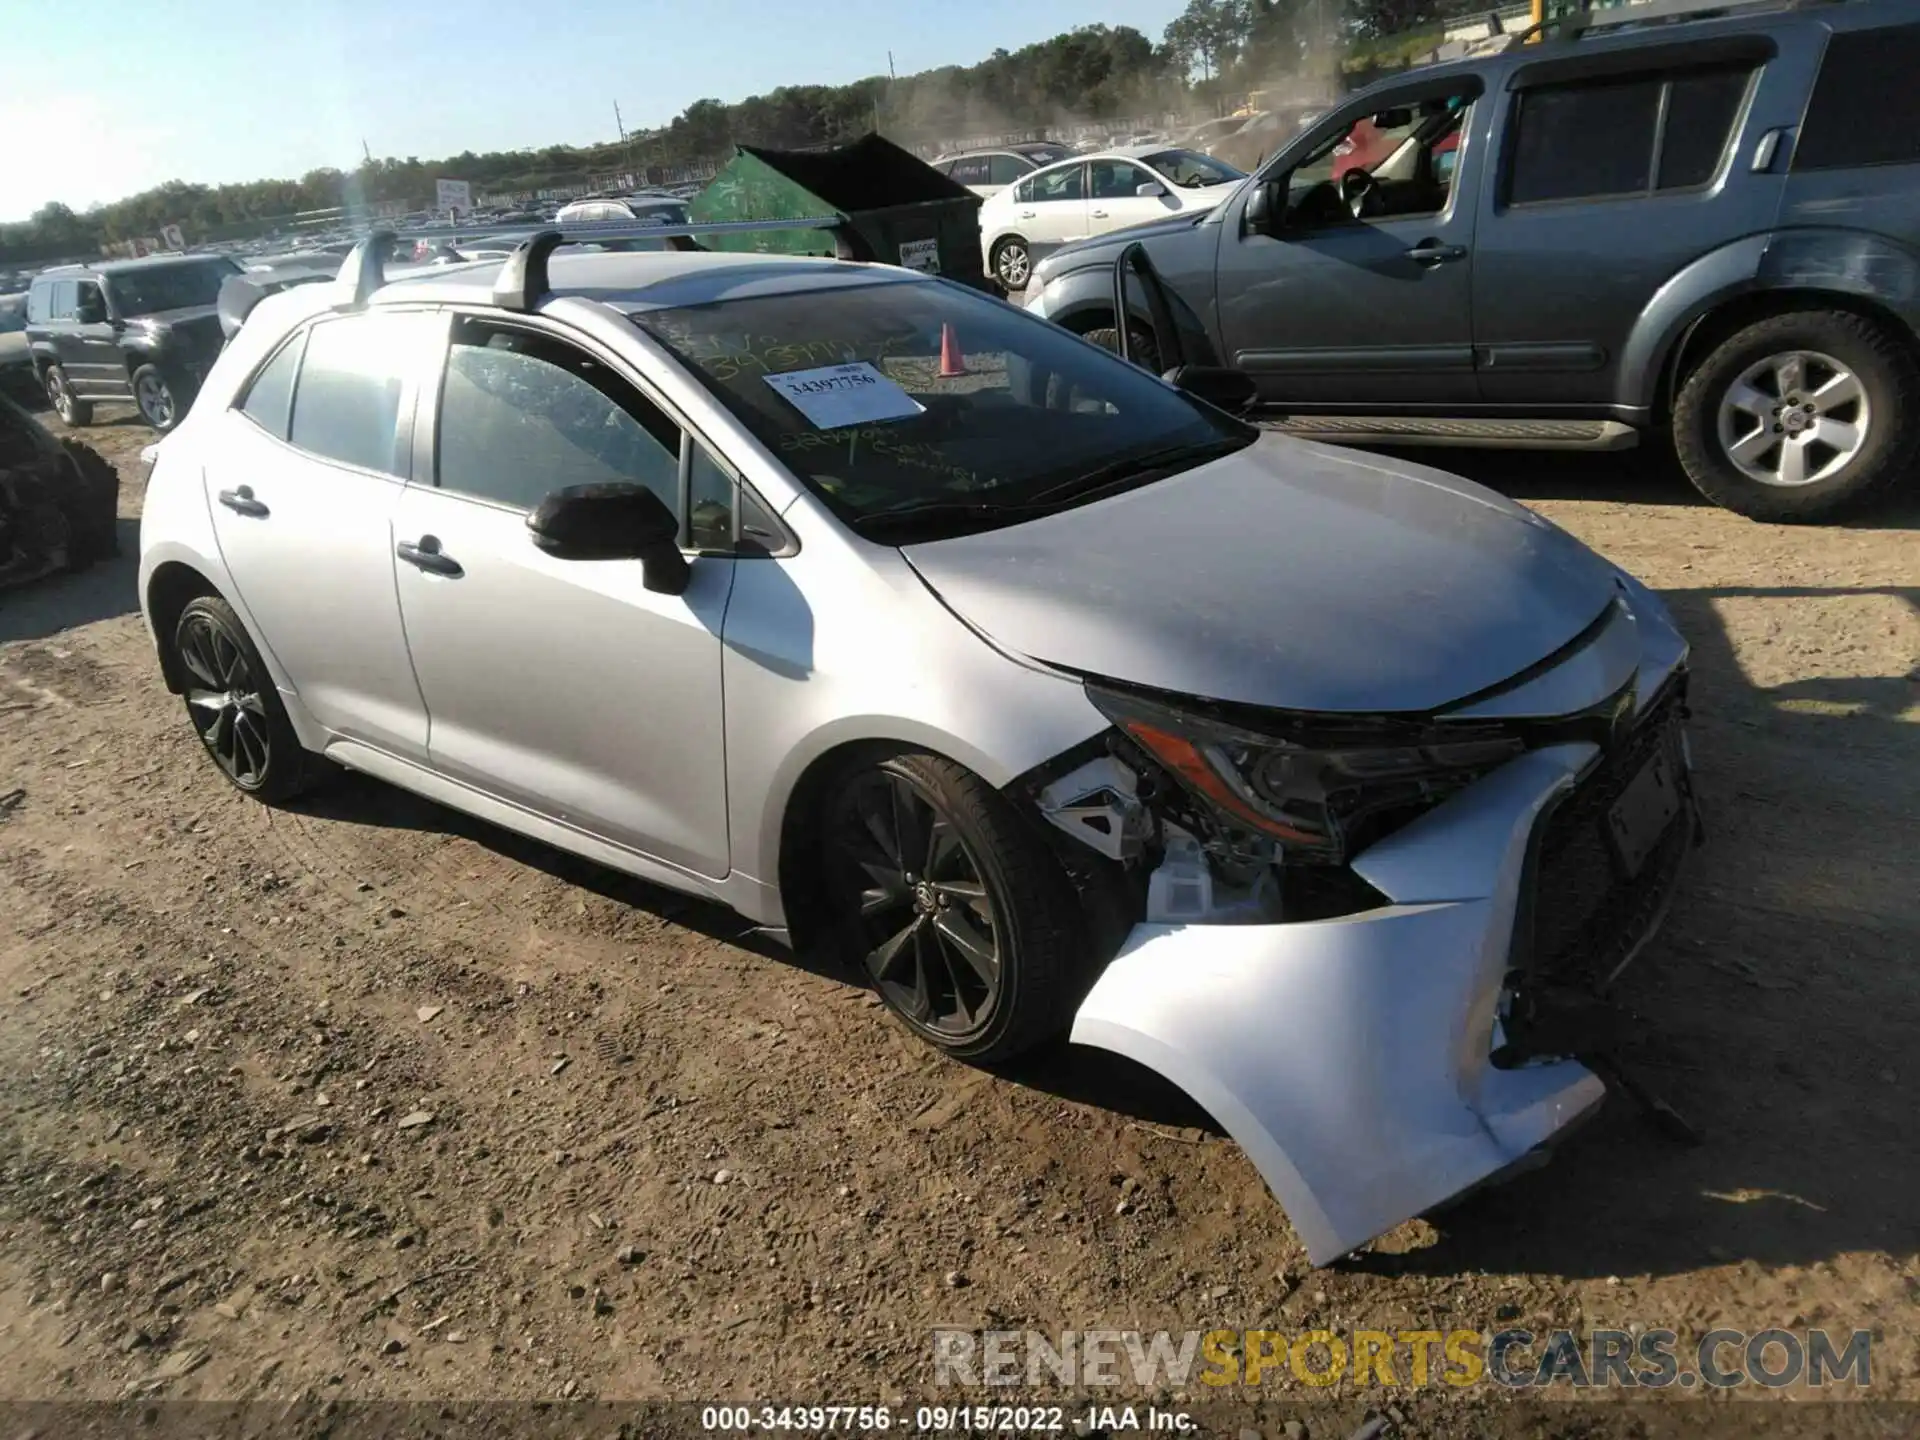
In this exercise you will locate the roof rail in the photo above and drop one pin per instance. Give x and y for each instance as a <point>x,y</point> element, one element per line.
<point>522,282</point>
<point>1589,20</point>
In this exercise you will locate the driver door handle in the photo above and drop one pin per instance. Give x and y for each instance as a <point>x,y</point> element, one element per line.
<point>1432,252</point>
<point>241,502</point>
<point>425,554</point>
<point>1099,214</point>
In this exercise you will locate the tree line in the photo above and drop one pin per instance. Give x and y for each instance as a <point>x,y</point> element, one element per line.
<point>1212,52</point>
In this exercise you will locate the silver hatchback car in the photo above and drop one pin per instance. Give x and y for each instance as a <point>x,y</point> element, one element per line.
<point>916,629</point>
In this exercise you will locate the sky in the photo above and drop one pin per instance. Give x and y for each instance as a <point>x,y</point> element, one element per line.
<point>105,98</point>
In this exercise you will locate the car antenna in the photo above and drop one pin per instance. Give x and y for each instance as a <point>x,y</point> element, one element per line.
<point>522,282</point>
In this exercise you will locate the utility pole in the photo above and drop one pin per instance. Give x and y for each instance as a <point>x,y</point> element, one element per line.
<point>366,151</point>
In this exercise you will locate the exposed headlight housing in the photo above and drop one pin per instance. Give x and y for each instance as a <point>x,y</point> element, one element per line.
<point>1315,785</point>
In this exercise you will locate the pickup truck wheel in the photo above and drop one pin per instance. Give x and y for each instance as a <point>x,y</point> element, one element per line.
<point>1800,417</point>
<point>69,407</point>
<point>1145,353</point>
<point>1013,262</point>
<point>159,399</point>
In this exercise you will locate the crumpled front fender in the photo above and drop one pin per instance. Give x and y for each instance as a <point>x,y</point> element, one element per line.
<point>1349,1057</point>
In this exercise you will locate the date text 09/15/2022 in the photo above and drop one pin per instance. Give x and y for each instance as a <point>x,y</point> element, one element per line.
<point>944,1419</point>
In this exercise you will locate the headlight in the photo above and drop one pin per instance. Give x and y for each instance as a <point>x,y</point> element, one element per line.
<point>1319,789</point>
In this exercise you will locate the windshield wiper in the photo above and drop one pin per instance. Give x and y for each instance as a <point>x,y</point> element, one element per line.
<point>1136,469</point>
<point>1084,485</point>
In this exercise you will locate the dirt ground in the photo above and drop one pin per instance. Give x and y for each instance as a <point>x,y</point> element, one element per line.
<point>662,1163</point>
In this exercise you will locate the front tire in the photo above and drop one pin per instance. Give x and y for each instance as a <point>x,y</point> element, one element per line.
<point>233,705</point>
<point>1012,262</point>
<point>71,409</point>
<point>1800,417</point>
<point>958,915</point>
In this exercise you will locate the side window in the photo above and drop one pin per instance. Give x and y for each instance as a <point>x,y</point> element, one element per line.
<point>64,292</point>
<point>269,397</point>
<point>710,503</point>
<point>1599,137</point>
<point>87,299</point>
<point>39,303</point>
<point>1585,140</point>
<point>523,414</point>
<point>346,403</point>
<point>1114,179</point>
<point>1006,169</point>
<point>1394,163</point>
<point>1701,110</point>
<point>1061,184</point>
<point>971,170</point>
<point>1023,192</point>
<point>1865,108</point>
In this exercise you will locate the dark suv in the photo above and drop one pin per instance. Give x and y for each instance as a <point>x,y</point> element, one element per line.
<point>1703,227</point>
<point>139,330</point>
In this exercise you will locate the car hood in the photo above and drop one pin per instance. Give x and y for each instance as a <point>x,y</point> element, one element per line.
<point>1290,575</point>
<point>1104,247</point>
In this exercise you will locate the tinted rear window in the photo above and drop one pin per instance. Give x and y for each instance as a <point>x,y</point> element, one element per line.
<point>1865,108</point>
<point>1593,139</point>
<point>1700,116</point>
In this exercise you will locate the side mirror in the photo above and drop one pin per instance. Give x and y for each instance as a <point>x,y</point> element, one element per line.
<point>1265,205</point>
<point>1150,190</point>
<point>1219,385</point>
<point>614,522</point>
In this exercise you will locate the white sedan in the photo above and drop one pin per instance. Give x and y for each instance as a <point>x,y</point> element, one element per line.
<point>1092,194</point>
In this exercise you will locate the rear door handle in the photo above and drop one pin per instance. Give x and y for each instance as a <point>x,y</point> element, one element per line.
<point>425,554</point>
<point>241,502</point>
<point>1432,252</point>
<point>1026,214</point>
<point>1099,214</point>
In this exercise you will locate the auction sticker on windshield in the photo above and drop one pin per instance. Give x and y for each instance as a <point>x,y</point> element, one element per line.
<point>836,395</point>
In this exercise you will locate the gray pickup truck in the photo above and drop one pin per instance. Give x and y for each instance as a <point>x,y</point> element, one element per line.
<point>1642,224</point>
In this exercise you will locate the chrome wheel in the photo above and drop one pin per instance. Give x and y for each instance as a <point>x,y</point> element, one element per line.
<point>1794,418</point>
<point>1013,264</point>
<point>926,924</point>
<point>225,701</point>
<point>60,395</point>
<point>155,400</point>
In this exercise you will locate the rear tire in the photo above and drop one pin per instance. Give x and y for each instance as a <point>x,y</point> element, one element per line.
<point>1800,417</point>
<point>233,705</point>
<point>71,409</point>
<point>1012,262</point>
<point>161,400</point>
<point>952,908</point>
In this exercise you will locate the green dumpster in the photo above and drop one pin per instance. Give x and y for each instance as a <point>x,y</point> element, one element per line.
<point>898,209</point>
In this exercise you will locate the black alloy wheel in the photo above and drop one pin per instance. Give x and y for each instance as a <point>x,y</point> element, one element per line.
<point>225,702</point>
<point>233,705</point>
<point>930,929</point>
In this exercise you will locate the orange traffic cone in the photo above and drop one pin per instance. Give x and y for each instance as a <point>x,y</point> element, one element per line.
<point>952,362</point>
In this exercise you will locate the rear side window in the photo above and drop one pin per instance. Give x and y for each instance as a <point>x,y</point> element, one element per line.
<point>39,303</point>
<point>1006,169</point>
<point>1626,136</point>
<point>66,296</point>
<point>971,170</point>
<point>270,396</point>
<point>1865,108</point>
<point>346,405</point>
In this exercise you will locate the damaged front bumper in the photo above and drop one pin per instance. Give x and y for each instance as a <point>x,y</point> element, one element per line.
<point>1352,1058</point>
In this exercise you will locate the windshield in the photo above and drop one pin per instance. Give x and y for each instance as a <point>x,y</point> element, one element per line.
<point>152,289</point>
<point>906,394</point>
<point>1191,169</point>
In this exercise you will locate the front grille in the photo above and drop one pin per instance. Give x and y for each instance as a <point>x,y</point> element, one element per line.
<point>1584,915</point>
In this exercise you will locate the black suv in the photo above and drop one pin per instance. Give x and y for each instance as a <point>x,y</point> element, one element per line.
<point>1643,224</point>
<point>139,330</point>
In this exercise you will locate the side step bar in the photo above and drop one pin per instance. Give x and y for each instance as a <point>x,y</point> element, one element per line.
<point>1434,430</point>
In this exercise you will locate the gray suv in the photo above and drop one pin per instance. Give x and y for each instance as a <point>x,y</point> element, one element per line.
<point>1706,229</point>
